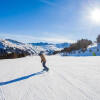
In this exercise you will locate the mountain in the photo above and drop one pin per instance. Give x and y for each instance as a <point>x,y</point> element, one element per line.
<point>14,49</point>
<point>62,45</point>
<point>92,50</point>
<point>41,44</point>
<point>14,42</point>
<point>57,45</point>
<point>49,48</point>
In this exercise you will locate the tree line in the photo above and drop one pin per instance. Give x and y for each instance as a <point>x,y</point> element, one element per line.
<point>10,53</point>
<point>79,45</point>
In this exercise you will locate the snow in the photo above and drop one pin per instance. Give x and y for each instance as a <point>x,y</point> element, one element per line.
<point>4,44</point>
<point>30,48</point>
<point>69,78</point>
<point>49,48</point>
<point>89,52</point>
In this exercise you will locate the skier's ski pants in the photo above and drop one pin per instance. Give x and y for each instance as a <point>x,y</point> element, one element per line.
<point>44,65</point>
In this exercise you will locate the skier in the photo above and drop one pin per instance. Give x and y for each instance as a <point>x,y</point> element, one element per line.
<point>43,61</point>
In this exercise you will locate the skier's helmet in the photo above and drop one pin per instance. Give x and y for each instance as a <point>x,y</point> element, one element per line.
<point>41,52</point>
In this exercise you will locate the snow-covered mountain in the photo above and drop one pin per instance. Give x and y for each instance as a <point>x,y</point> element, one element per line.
<point>9,48</point>
<point>57,45</point>
<point>49,48</point>
<point>15,42</point>
<point>92,50</point>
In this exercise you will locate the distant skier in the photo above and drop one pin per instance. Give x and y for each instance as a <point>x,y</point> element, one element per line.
<point>43,61</point>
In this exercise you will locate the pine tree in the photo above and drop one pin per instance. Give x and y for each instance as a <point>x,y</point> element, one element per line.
<point>98,39</point>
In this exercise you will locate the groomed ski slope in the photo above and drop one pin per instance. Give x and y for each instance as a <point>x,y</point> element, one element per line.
<point>69,78</point>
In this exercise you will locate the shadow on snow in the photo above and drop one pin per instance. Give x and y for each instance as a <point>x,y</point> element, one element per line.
<point>21,78</point>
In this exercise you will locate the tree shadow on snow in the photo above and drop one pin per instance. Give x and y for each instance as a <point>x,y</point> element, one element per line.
<point>21,78</point>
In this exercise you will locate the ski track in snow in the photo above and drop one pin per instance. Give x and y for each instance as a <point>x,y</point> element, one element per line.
<point>2,97</point>
<point>80,86</point>
<point>69,78</point>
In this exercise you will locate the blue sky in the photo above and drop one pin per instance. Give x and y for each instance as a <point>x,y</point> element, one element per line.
<point>48,20</point>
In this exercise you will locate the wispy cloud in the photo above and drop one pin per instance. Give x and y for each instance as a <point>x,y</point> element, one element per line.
<point>58,40</point>
<point>48,2</point>
<point>28,39</point>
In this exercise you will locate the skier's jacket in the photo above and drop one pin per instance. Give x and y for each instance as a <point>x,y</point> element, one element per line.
<point>43,58</point>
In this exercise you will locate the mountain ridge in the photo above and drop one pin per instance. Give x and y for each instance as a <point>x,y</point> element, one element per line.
<point>12,48</point>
